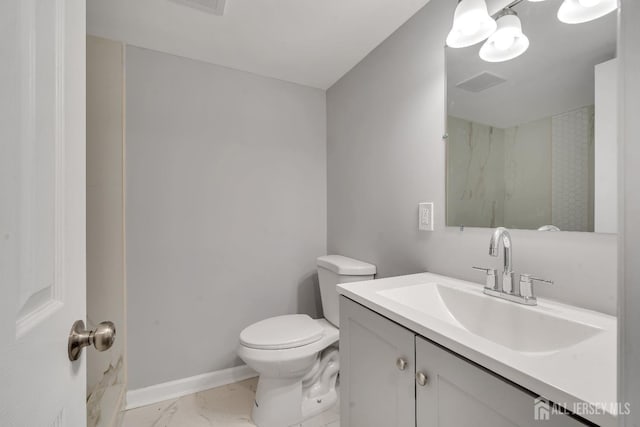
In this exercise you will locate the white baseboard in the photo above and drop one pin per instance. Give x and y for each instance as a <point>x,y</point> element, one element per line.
<point>182,387</point>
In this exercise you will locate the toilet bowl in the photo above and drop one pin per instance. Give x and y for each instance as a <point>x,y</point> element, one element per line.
<point>296,356</point>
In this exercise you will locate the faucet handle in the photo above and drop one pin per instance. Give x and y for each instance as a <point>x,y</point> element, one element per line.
<point>491,279</point>
<point>526,285</point>
<point>485,269</point>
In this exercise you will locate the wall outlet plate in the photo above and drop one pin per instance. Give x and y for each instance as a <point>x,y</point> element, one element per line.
<point>425,216</point>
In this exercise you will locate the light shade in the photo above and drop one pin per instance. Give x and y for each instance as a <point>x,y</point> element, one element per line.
<point>507,42</point>
<point>471,24</point>
<point>579,11</point>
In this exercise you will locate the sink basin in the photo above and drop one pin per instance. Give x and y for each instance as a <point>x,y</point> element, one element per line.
<point>518,327</point>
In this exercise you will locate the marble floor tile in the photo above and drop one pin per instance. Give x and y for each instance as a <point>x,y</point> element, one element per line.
<point>226,406</point>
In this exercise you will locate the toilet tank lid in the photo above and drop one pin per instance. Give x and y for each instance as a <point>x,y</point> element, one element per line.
<point>346,266</point>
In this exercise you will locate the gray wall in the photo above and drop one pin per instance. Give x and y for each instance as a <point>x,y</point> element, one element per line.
<point>630,211</point>
<point>226,209</point>
<point>385,155</point>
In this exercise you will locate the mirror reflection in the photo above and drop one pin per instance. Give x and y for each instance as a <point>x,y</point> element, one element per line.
<point>531,139</point>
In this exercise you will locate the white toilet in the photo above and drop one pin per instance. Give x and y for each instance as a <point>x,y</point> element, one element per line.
<point>297,356</point>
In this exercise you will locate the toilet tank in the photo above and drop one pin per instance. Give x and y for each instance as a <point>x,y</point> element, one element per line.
<point>335,269</point>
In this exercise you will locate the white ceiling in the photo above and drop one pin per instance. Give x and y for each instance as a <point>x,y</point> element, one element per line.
<point>555,75</point>
<point>311,42</point>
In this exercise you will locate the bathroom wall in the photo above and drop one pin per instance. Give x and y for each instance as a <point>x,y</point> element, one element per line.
<point>105,227</point>
<point>226,209</point>
<point>385,154</point>
<point>629,159</point>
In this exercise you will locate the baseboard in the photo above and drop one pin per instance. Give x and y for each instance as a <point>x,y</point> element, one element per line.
<point>182,387</point>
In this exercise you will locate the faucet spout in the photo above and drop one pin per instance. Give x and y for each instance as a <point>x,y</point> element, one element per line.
<point>501,234</point>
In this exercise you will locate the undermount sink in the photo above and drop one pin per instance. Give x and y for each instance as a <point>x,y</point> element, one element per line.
<point>518,327</point>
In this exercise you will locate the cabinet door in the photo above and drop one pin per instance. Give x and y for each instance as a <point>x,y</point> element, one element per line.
<point>458,393</point>
<point>376,390</point>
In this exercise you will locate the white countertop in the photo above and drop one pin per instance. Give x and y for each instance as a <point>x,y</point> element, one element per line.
<point>582,373</point>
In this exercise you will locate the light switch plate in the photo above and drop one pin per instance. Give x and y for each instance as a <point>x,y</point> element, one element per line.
<point>425,216</point>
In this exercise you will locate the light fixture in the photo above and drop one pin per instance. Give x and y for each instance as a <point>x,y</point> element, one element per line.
<point>579,11</point>
<point>471,24</point>
<point>508,41</point>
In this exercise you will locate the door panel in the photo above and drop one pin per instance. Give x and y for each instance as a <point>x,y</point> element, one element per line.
<point>42,217</point>
<point>374,391</point>
<point>458,393</point>
<point>39,271</point>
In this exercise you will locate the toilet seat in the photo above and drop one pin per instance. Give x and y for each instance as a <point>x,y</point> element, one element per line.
<point>282,332</point>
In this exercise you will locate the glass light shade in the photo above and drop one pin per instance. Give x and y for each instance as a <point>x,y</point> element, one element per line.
<point>471,24</point>
<point>579,11</point>
<point>507,42</point>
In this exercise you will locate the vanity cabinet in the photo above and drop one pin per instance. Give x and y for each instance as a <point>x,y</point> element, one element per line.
<point>377,390</point>
<point>377,370</point>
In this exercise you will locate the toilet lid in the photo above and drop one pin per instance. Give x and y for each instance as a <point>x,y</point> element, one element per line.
<point>276,333</point>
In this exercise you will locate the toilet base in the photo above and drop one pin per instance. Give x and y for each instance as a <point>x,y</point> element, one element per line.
<point>312,407</point>
<point>282,402</point>
<point>279,403</point>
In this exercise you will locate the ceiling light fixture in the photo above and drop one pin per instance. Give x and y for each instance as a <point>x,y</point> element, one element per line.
<point>471,24</point>
<point>508,41</point>
<point>579,11</point>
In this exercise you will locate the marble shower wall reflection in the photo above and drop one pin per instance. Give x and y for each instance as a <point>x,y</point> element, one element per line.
<point>527,154</point>
<point>475,174</point>
<point>526,176</point>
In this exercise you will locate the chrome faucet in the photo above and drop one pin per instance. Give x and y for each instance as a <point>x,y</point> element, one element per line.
<point>506,290</point>
<point>501,234</point>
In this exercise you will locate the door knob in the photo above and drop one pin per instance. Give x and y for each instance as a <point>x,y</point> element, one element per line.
<point>401,363</point>
<point>102,338</point>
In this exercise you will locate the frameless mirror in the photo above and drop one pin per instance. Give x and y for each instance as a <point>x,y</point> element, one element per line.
<point>532,141</point>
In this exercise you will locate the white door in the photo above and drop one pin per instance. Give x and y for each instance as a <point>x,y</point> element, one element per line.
<point>42,210</point>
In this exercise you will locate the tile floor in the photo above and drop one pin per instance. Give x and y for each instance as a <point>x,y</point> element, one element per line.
<point>227,406</point>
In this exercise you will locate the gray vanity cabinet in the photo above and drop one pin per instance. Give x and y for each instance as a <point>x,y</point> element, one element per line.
<point>377,370</point>
<point>381,370</point>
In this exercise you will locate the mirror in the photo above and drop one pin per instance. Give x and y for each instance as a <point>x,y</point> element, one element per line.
<point>531,142</point>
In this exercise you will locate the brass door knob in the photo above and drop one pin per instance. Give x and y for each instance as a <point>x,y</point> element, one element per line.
<point>102,338</point>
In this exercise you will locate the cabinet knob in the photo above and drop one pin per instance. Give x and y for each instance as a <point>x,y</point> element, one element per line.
<point>401,363</point>
<point>421,378</point>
